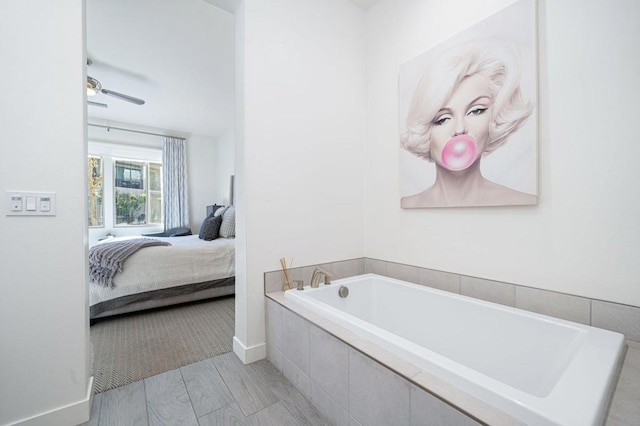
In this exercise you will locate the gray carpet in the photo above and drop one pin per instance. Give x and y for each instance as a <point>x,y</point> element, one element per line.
<point>135,346</point>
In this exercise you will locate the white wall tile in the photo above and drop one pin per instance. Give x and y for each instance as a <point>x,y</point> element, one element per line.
<point>297,377</point>
<point>375,266</point>
<point>295,340</point>
<point>571,308</point>
<point>328,407</point>
<point>403,272</point>
<point>491,291</point>
<point>274,356</point>
<point>329,365</point>
<point>625,404</point>
<point>274,323</point>
<point>273,281</point>
<point>376,395</point>
<point>346,268</point>
<point>621,318</point>
<point>426,409</point>
<point>441,280</point>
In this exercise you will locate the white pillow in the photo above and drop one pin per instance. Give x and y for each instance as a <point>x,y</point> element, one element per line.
<point>228,227</point>
<point>220,211</point>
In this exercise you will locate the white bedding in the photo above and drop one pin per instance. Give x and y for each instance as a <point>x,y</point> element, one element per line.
<point>187,260</point>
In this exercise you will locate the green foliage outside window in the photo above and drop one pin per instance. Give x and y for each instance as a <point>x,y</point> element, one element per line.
<point>138,192</point>
<point>95,192</point>
<point>131,208</point>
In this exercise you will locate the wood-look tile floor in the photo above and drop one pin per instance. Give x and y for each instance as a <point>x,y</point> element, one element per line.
<point>217,391</point>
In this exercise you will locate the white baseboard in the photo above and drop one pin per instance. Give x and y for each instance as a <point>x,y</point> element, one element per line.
<point>249,354</point>
<point>73,414</point>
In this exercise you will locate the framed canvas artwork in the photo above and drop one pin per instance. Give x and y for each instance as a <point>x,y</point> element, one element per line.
<point>468,118</point>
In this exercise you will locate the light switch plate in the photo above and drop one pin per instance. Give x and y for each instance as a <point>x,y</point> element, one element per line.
<point>30,203</point>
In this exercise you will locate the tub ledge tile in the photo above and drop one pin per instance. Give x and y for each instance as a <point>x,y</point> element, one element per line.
<point>337,331</point>
<point>386,358</point>
<point>463,401</point>
<point>278,296</point>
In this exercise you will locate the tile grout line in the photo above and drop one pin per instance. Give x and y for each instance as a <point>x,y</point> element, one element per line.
<point>99,410</point>
<point>146,405</point>
<point>235,401</point>
<point>186,388</point>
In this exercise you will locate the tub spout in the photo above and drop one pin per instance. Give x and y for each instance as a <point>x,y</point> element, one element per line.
<point>318,272</point>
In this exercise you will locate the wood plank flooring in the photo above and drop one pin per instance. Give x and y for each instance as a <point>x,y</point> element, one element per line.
<point>216,391</point>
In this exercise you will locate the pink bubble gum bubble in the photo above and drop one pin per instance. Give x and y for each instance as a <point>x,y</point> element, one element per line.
<point>459,153</point>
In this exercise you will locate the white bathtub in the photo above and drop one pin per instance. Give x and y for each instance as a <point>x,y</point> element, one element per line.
<point>538,369</point>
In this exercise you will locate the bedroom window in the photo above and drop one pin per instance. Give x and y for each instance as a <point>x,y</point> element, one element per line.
<point>137,192</point>
<point>96,192</point>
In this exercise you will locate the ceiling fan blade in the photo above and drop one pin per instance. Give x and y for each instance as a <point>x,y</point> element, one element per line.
<point>98,104</point>
<point>127,98</point>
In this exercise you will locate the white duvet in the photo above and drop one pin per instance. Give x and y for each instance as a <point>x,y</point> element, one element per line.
<point>187,260</point>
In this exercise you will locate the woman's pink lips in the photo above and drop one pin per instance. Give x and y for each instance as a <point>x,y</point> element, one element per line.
<point>459,153</point>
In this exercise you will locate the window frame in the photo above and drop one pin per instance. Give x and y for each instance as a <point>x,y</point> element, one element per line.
<point>110,152</point>
<point>146,190</point>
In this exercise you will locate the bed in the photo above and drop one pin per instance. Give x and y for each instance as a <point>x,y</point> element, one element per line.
<point>188,269</point>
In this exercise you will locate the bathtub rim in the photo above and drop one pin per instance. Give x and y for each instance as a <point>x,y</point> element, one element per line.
<point>451,394</point>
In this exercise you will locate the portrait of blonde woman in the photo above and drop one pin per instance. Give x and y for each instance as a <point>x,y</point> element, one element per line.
<point>466,105</point>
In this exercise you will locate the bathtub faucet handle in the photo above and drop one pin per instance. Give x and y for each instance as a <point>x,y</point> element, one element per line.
<point>318,272</point>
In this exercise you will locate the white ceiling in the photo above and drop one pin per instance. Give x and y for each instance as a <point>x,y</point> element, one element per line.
<point>176,55</point>
<point>230,5</point>
<point>364,4</point>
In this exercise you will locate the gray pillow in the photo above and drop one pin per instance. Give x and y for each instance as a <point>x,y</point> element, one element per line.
<point>228,228</point>
<point>210,228</point>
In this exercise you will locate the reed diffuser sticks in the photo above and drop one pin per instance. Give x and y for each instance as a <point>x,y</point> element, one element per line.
<point>287,282</point>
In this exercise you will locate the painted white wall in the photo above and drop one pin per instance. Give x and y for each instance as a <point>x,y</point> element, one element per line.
<point>584,236</point>
<point>224,166</point>
<point>302,115</point>
<point>211,161</point>
<point>44,322</point>
<point>201,159</point>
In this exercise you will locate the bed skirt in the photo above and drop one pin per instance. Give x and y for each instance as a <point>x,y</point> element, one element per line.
<point>163,297</point>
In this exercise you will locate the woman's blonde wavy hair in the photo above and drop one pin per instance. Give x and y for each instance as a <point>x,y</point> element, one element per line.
<point>495,58</point>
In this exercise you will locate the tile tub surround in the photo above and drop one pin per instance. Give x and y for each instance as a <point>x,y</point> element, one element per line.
<point>624,408</point>
<point>617,317</point>
<point>337,357</point>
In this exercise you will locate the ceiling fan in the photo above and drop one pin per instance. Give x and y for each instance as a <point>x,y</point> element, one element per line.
<point>94,87</point>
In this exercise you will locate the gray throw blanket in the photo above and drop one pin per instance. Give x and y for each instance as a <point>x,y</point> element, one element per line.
<point>106,259</point>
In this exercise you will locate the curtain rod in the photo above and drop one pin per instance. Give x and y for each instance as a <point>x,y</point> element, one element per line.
<point>134,131</point>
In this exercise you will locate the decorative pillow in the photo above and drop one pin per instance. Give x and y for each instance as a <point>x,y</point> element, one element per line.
<point>220,211</point>
<point>210,228</point>
<point>228,228</point>
<point>212,209</point>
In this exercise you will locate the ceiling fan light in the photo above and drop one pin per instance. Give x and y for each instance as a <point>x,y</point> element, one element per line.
<point>93,86</point>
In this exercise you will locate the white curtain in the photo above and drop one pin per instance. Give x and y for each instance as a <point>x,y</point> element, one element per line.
<point>174,183</point>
